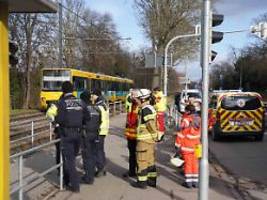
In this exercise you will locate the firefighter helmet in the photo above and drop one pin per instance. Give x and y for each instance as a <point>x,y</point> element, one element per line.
<point>144,93</point>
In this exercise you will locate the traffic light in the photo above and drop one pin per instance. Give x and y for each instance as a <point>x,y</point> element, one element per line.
<point>260,30</point>
<point>215,36</point>
<point>13,48</point>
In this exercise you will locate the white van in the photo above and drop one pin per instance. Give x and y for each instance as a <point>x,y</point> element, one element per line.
<point>190,94</point>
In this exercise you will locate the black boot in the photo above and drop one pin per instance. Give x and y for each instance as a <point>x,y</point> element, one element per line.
<point>195,184</point>
<point>152,182</point>
<point>100,173</point>
<point>140,184</point>
<point>187,184</point>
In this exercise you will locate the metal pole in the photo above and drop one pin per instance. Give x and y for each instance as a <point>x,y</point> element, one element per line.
<point>4,102</point>
<point>186,78</point>
<point>155,59</point>
<point>204,165</point>
<point>60,35</point>
<point>20,177</point>
<point>61,169</point>
<point>50,131</point>
<point>241,76</point>
<point>32,132</point>
<point>166,55</point>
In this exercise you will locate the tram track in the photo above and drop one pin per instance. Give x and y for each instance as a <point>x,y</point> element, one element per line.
<point>26,124</point>
<point>27,130</point>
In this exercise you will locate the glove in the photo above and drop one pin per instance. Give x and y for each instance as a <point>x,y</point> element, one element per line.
<point>160,136</point>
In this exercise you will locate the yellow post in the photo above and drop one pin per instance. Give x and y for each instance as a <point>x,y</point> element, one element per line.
<point>4,103</point>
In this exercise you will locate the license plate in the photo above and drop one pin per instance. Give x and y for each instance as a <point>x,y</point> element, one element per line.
<point>241,122</point>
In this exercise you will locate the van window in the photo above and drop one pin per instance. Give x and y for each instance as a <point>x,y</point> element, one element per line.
<point>241,103</point>
<point>192,95</point>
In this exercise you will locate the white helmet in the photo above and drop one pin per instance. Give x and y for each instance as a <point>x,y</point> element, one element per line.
<point>176,161</point>
<point>144,93</point>
<point>135,93</point>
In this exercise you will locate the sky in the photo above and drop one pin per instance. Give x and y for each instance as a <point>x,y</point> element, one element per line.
<point>239,15</point>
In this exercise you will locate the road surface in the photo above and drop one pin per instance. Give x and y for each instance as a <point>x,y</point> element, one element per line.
<point>243,158</point>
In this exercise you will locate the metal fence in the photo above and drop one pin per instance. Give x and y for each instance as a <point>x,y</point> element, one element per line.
<point>115,108</point>
<point>22,182</point>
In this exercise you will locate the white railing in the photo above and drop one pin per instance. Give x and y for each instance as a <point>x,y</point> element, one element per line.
<point>116,107</point>
<point>22,182</point>
<point>33,135</point>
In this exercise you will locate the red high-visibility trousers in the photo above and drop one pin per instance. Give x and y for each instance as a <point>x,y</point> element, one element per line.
<point>190,167</point>
<point>161,121</point>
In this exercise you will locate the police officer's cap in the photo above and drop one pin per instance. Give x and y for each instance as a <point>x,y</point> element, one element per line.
<point>67,87</point>
<point>85,96</point>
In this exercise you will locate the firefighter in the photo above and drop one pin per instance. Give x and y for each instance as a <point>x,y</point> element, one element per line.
<point>89,138</point>
<point>187,141</point>
<point>160,106</point>
<point>146,138</point>
<point>99,101</point>
<point>71,112</point>
<point>130,130</point>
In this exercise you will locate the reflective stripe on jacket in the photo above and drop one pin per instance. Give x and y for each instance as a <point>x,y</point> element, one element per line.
<point>189,135</point>
<point>104,126</point>
<point>142,131</point>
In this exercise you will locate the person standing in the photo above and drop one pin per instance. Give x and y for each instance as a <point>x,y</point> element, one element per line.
<point>187,141</point>
<point>146,138</point>
<point>89,138</point>
<point>161,107</point>
<point>130,131</point>
<point>99,101</point>
<point>71,113</point>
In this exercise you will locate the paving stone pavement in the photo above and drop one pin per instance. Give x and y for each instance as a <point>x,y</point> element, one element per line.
<point>114,187</point>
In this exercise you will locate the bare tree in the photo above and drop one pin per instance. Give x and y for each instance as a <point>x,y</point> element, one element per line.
<point>31,32</point>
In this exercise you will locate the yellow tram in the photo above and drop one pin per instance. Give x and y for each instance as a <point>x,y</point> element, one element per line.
<point>113,88</point>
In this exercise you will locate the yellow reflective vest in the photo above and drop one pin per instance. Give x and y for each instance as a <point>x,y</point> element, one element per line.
<point>128,103</point>
<point>161,101</point>
<point>145,114</point>
<point>51,112</point>
<point>104,126</point>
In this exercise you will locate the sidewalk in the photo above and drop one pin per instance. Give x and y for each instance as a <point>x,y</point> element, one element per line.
<point>115,187</point>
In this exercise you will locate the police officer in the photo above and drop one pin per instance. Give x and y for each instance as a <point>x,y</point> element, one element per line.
<point>99,101</point>
<point>71,112</point>
<point>146,138</point>
<point>89,138</point>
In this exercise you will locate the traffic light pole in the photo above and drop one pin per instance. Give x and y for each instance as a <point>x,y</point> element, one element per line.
<point>205,47</point>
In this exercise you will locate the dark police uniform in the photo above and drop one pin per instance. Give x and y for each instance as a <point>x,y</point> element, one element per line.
<point>103,131</point>
<point>89,145</point>
<point>71,113</point>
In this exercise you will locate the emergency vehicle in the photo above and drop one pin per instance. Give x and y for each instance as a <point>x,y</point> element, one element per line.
<point>239,114</point>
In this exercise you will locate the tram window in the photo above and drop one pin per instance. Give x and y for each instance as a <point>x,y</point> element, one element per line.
<point>109,84</point>
<point>96,84</point>
<point>79,83</point>
<point>52,85</point>
<point>115,86</point>
<point>88,84</point>
<point>103,85</point>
